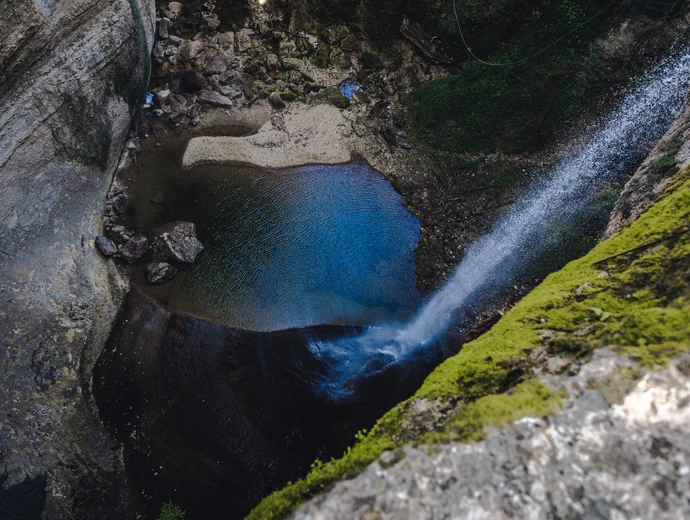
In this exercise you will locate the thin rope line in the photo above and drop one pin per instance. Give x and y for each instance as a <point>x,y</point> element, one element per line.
<point>491,64</point>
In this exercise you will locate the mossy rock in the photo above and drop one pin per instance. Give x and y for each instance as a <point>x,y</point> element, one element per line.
<point>371,61</point>
<point>276,101</point>
<point>335,97</point>
<point>288,95</point>
<point>322,62</point>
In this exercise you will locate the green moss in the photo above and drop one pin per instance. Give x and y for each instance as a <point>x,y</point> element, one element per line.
<point>469,423</point>
<point>170,511</point>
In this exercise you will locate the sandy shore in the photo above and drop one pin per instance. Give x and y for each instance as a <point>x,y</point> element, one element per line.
<point>301,135</point>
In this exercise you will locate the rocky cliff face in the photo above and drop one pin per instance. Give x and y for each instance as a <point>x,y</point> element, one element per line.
<point>72,74</point>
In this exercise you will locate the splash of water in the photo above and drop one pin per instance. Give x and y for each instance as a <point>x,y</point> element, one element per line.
<point>615,144</point>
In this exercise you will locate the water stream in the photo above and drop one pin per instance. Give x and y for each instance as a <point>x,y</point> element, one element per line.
<point>528,229</point>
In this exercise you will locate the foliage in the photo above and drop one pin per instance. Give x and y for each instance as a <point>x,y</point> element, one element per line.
<point>484,108</point>
<point>371,60</point>
<point>170,511</point>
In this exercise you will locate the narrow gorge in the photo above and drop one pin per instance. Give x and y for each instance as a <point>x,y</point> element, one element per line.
<point>344,259</point>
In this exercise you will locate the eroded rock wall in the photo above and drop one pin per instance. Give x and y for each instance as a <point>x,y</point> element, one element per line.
<point>72,75</point>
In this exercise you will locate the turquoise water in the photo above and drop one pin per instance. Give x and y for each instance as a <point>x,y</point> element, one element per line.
<point>290,248</point>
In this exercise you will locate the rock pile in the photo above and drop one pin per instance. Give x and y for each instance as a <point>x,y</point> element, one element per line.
<point>197,67</point>
<point>175,242</point>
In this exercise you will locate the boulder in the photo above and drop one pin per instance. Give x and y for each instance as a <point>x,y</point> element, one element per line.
<point>160,272</point>
<point>276,101</point>
<point>336,98</point>
<point>134,248</point>
<point>191,49</point>
<point>217,65</point>
<point>105,246</point>
<point>209,97</point>
<point>292,63</point>
<point>287,95</point>
<point>192,81</point>
<point>243,39</point>
<point>179,242</point>
<point>175,8</point>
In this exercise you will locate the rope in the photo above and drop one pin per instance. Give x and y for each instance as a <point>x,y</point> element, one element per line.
<point>523,60</point>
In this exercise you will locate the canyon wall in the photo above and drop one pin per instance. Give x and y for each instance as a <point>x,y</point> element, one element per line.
<point>72,75</point>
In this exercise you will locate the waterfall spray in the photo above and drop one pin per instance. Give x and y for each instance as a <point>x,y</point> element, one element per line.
<point>614,144</point>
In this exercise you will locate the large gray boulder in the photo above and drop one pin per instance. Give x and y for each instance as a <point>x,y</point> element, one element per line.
<point>179,242</point>
<point>72,75</point>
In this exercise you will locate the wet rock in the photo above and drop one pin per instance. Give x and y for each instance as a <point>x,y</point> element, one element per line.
<point>179,242</point>
<point>209,24</point>
<point>134,248</point>
<point>217,65</point>
<point>192,81</point>
<point>232,84</point>
<point>276,101</point>
<point>105,246</point>
<point>160,272</point>
<point>209,97</point>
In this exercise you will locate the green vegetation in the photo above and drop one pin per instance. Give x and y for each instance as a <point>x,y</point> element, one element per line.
<point>520,108</point>
<point>170,511</point>
<point>631,291</point>
<point>371,60</point>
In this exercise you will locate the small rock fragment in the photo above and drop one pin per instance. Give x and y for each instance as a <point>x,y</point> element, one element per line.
<point>134,248</point>
<point>105,246</point>
<point>160,272</point>
<point>292,63</point>
<point>209,24</point>
<point>192,81</point>
<point>217,65</point>
<point>215,99</point>
<point>158,198</point>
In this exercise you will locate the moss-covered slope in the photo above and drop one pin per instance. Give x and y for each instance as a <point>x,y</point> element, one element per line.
<point>631,292</point>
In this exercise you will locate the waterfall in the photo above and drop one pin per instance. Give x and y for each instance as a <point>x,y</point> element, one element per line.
<point>611,147</point>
